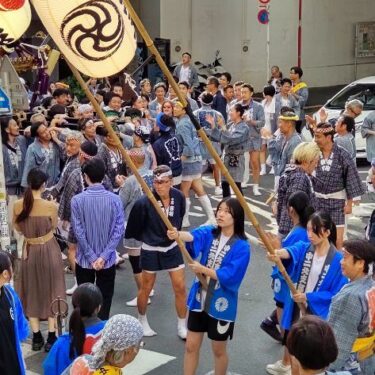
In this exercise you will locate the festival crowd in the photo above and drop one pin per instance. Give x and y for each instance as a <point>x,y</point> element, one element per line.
<point>69,190</point>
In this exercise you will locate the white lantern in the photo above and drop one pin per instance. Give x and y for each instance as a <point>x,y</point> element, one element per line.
<point>13,23</point>
<point>96,36</point>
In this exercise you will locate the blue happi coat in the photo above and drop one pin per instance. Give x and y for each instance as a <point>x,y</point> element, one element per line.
<point>58,358</point>
<point>279,285</point>
<point>21,327</point>
<point>320,299</point>
<point>230,274</point>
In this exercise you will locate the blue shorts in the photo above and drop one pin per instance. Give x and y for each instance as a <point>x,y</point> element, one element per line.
<point>191,170</point>
<point>255,144</point>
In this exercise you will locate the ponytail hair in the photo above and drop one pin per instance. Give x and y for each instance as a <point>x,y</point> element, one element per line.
<point>86,301</point>
<point>300,202</point>
<point>35,179</point>
<point>321,221</point>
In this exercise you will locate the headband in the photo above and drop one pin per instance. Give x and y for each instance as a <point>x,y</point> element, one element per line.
<point>159,176</point>
<point>136,152</point>
<point>86,156</point>
<point>289,118</point>
<point>324,130</point>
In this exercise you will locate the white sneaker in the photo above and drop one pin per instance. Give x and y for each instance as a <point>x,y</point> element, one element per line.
<point>125,256</point>
<point>152,293</point>
<point>182,332</point>
<point>70,291</point>
<point>218,190</point>
<point>278,368</point>
<point>272,171</point>
<point>133,302</point>
<point>256,190</point>
<point>263,170</point>
<point>63,256</point>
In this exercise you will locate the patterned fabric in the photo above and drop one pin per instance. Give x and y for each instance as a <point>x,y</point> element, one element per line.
<point>349,318</point>
<point>73,186</point>
<point>294,179</point>
<point>71,164</point>
<point>281,151</point>
<point>120,333</point>
<point>333,175</point>
<point>235,141</point>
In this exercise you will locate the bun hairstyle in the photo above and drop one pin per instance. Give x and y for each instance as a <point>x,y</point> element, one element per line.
<point>300,202</point>
<point>86,301</point>
<point>35,179</point>
<point>321,221</point>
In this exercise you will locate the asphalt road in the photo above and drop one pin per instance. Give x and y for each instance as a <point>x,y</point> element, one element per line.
<point>251,349</point>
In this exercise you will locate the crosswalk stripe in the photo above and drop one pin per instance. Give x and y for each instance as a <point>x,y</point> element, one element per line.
<point>145,361</point>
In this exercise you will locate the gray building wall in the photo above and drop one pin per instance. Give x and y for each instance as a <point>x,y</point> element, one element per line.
<point>328,36</point>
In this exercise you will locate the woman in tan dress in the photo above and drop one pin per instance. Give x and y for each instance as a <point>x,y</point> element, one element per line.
<point>42,276</point>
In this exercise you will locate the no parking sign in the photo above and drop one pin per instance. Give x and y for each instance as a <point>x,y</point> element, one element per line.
<point>263,14</point>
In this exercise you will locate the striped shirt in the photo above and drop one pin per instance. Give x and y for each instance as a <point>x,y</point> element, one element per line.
<point>98,224</point>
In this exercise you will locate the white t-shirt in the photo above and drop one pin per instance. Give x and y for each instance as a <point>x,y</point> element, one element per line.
<point>284,102</point>
<point>316,270</point>
<point>184,74</point>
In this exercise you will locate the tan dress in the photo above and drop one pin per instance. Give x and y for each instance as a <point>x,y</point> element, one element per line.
<point>42,273</point>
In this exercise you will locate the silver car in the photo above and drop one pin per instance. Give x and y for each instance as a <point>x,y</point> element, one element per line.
<point>363,90</point>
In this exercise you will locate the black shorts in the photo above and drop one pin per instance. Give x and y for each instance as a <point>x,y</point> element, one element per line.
<point>153,261</point>
<point>217,330</point>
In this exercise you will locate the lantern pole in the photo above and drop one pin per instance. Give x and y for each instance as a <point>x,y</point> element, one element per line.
<point>262,234</point>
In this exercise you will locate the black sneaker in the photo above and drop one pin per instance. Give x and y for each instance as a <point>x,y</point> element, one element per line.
<point>270,327</point>
<point>37,344</point>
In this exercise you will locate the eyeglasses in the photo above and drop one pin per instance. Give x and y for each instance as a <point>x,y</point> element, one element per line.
<point>161,182</point>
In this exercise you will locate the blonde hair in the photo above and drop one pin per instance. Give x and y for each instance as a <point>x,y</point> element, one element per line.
<point>305,152</point>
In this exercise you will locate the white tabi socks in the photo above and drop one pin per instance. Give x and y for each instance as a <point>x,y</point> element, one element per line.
<point>185,221</point>
<point>206,204</point>
<point>181,328</point>
<point>147,331</point>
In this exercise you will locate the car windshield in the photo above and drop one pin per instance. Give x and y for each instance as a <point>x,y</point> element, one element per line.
<point>363,92</point>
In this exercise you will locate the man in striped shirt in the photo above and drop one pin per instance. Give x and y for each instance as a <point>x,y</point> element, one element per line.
<point>97,219</point>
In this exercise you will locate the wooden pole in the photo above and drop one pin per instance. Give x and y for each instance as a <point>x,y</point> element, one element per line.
<point>262,234</point>
<point>133,168</point>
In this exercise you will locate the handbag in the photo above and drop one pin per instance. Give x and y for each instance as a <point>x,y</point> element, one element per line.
<point>61,240</point>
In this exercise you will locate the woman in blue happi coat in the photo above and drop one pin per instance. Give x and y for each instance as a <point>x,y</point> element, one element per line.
<point>299,210</point>
<point>224,256</point>
<point>13,324</point>
<point>315,268</point>
<point>84,330</point>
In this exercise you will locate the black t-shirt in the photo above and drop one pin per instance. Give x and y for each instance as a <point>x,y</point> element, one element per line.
<point>8,352</point>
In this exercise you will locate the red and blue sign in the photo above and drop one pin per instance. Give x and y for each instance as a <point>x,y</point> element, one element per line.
<point>263,14</point>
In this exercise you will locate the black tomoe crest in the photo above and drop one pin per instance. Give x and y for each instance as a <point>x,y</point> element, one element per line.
<point>95,39</point>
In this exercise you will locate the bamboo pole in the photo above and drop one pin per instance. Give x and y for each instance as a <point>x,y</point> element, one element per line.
<point>133,168</point>
<point>262,234</point>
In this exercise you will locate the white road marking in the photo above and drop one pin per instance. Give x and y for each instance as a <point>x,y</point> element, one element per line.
<point>147,360</point>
